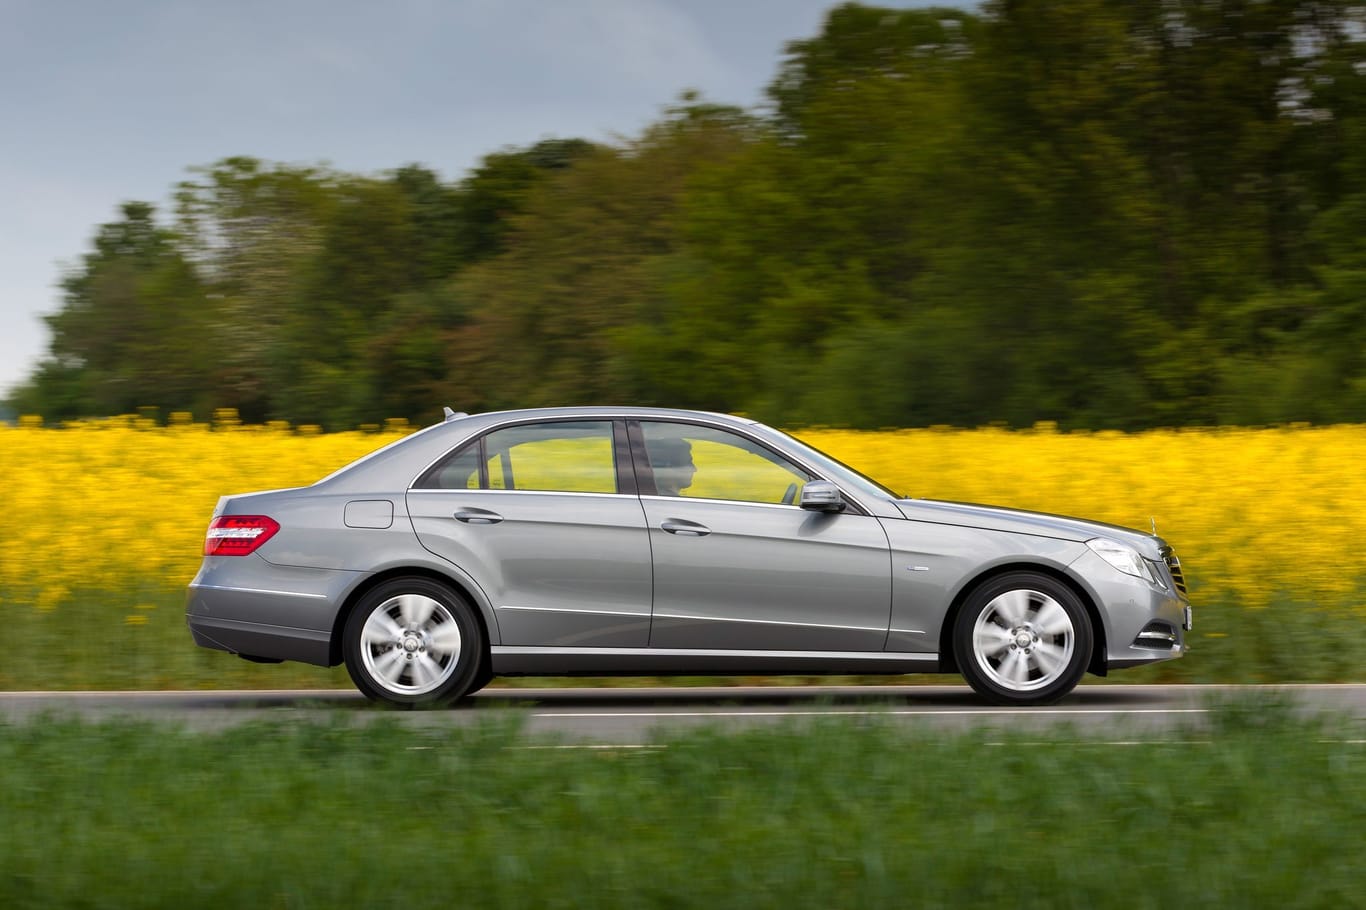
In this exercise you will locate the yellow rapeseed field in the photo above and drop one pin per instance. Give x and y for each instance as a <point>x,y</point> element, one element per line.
<point>120,506</point>
<point>1257,515</point>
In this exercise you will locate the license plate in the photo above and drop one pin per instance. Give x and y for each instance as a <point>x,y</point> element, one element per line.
<point>1188,619</point>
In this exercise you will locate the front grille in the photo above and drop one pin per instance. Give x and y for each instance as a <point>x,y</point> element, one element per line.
<point>1174,566</point>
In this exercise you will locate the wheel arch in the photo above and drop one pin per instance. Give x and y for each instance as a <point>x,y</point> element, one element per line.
<point>335,643</point>
<point>949,664</point>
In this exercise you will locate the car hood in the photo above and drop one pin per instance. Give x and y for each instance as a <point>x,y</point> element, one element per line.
<point>1018,521</point>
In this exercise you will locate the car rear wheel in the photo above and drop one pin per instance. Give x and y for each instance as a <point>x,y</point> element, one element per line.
<point>1022,639</point>
<point>413,641</point>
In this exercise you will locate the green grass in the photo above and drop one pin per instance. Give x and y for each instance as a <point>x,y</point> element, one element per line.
<point>89,642</point>
<point>1256,807</point>
<point>1289,642</point>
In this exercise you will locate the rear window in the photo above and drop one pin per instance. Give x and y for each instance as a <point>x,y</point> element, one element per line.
<point>562,456</point>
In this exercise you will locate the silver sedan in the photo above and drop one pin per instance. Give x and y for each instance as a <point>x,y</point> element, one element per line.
<point>640,541</point>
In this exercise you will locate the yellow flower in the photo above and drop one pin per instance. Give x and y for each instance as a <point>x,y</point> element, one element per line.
<point>1257,516</point>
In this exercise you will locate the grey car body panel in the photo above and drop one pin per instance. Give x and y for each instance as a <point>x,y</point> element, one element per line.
<point>767,576</point>
<point>1019,521</point>
<point>933,563</point>
<point>570,569</point>
<point>301,577</point>
<point>248,605</point>
<point>583,583</point>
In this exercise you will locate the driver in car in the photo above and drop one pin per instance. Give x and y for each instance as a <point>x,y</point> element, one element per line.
<point>671,460</point>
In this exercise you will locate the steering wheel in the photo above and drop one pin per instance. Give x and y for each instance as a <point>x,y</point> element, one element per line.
<point>791,495</point>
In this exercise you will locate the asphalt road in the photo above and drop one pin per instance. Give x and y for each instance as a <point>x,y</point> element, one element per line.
<point>617,717</point>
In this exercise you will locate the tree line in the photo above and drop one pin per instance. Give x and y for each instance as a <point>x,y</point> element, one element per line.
<point>1105,213</point>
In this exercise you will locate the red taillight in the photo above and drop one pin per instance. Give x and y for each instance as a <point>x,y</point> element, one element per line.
<point>238,535</point>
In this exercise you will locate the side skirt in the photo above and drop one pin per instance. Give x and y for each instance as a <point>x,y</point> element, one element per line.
<point>522,661</point>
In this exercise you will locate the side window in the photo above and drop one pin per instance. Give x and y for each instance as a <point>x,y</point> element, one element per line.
<point>458,472</point>
<point>705,463</point>
<point>568,457</point>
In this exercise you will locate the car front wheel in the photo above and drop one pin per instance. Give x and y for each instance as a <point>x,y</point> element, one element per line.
<point>1022,639</point>
<point>413,641</point>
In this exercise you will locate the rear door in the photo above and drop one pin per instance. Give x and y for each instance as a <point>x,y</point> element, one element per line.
<point>545,518</point>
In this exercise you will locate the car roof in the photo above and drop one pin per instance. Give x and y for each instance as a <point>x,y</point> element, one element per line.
<point>395,465</point>
<point>608,411</point>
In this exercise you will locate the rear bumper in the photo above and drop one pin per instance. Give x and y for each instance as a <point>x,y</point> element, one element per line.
<point>246,605</point>
<point>252,639</point>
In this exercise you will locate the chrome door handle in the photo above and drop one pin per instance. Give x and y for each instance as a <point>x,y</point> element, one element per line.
<point>686,528</point>
<point>478,517</point>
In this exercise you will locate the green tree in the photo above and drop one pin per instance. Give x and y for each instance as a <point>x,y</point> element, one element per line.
<point>805,251</point>
<point>588,260</point>
<point>130,331</point>
<point>254,231</point>
<point>1100,212</point>
<point>497,190</point>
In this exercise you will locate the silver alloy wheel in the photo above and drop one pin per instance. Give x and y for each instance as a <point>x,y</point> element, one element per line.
<point>1023,640</point>
<point>410,644</point>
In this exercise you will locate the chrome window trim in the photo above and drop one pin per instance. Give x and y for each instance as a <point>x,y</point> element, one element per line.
<point>467,490</point>
<point>657,497</point>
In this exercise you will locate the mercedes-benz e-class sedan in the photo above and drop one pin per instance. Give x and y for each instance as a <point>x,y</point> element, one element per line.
<point>640,541</point>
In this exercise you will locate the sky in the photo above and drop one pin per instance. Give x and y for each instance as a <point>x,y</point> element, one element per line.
<point>102,102</point>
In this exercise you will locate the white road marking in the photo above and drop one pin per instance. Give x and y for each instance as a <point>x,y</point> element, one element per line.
<point>595,747</point>
<point>497,692</point>
<point>647,747</point>
<point>1113,742</point>
<point>899,712</point>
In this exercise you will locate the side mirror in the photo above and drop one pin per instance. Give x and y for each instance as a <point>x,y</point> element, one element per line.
<point>821,496</point>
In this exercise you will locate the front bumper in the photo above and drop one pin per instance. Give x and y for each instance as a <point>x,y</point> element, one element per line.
<point>1143,623</point>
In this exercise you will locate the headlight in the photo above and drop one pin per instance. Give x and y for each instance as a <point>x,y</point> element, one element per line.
<point>1125,558</point>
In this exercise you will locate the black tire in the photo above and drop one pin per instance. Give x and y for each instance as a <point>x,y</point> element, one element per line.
<point>413,641</point>
<point>1023,638</point>
<point>483,677</point>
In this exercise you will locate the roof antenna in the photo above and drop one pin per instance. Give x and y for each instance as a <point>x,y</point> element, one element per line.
<point>452,415</point>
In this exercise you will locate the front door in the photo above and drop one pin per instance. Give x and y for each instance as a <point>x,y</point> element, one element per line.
<point>739,566</point>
